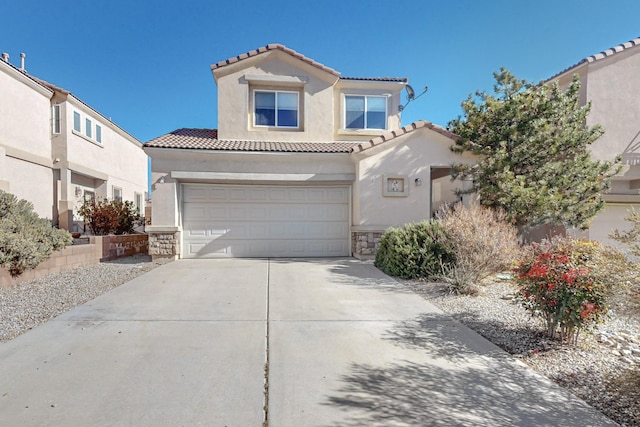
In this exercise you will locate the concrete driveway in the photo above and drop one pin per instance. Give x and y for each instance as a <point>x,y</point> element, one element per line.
<point>334,342</point>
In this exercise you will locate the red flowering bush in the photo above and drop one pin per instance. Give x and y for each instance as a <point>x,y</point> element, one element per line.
<point>562,281</point>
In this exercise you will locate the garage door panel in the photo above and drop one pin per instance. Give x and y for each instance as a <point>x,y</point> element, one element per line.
<point>261,221</point>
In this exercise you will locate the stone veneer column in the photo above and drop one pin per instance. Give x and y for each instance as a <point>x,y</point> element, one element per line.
<point>365,244</point>
<point>164,242</point>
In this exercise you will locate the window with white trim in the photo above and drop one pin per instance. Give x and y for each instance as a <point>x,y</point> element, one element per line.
<point>87,131</point>
<point>137,202</point>
<point>55,116</point>
<point>275,108</point>
<point>117,194</point>
<point>76,122</point>
<point>365,112</point>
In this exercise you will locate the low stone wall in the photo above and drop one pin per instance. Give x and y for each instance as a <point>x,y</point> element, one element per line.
<point>114,247</point>
<point>100,248</point>
<point>365,244</point>
<point>66,259</point>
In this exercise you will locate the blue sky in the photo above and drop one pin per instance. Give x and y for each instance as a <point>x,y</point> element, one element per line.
<point>146,64</point>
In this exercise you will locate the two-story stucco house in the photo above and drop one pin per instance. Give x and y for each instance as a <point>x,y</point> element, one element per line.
<point>610,81</point>
<point>56,151</point>
<point>304,163</point>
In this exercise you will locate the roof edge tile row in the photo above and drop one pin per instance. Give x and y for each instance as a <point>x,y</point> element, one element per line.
<point>275,46</point>
<point>207,139</point>
<point>601,55</point>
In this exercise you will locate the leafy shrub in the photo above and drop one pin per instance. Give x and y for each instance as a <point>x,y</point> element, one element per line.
<point>413,251</point>
<point>109,217</point>
<point>26,239</point>
<point>566,283</point>
<point>482,242</point>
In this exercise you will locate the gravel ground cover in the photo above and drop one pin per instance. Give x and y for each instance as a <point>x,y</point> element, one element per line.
<point>28,304</point>
<point>603,369</point>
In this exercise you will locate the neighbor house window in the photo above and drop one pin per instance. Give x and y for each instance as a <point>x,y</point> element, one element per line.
<point>138,203</point>
<point>117,194</point>
<point>56,118</point>
<point>365,112</point>
<point>76,122</point>
<point>99,133</point>
<point>275,108</point>
<point>88,127</point>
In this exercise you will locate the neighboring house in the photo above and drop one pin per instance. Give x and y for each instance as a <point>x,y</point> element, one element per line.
<point>304,163</point>
<point>610,80</point>
<point>56,151</point>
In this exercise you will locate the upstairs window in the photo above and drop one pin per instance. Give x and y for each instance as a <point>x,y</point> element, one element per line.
<point>56,118</point>
<point>365,112</point>
<point>275,108</point>
<point>87,127</point>
<point>99,133</point>
<point>76,122</point>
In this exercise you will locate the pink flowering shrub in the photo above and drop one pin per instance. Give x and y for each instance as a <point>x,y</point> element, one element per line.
<point>562,281</point>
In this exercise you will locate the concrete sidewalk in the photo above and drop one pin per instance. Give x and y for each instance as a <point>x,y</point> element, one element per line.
<point>186,345</point>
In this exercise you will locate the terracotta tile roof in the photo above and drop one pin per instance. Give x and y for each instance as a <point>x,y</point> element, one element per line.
<point>598,56</point>
<point>378,79</point>
<point>275,46</point>
<point>388,136</point>
<point>207,139</point>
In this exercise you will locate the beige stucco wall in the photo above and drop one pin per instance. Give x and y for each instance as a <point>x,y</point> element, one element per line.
<point>612,86</point>
<point>235,97</point>
<point>25,150</point>
<point>87,165</point>
<point>411,156</point>
<point>321,99</point>
<point>270,168</point>
<point>614,90</point>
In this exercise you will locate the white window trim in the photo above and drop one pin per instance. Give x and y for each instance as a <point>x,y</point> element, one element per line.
<point>275,91</point>
<point>365,96</point>
<point>88,127</point>
<point>138,206</point>
<point>113,193</point>
<point>82,132</point>
<point>79,121</point>
<point>56,123</point>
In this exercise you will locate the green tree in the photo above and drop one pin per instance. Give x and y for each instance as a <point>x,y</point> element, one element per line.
<point>532,144</point>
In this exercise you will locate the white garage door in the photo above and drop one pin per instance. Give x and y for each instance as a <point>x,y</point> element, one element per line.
<point>610,218</point>
<point>265,221</point>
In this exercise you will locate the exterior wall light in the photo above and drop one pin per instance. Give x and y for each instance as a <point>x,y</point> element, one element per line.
<point>418,182</point>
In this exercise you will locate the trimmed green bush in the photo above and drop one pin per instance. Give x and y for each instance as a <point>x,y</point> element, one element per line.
<point>413,251</point>
<point>26,239</point>
<point>109,217</point>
